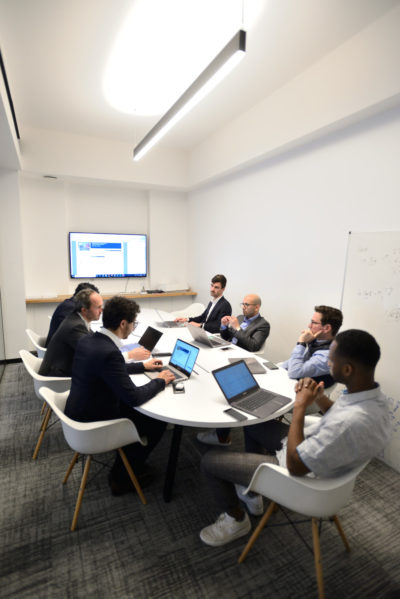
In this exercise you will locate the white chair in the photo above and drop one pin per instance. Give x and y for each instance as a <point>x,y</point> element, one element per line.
<point>32,365</point>
<point>38,342</point>
<point>194,309</point>
<point>316,498</point>
<point>89,438</point>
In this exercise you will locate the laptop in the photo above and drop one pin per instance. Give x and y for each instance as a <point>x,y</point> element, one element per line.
<point>200,336</point>
<point>150,338</point>
<point>181,363</point>
<point>168,324</point>
<point>242,391</point>
<point>254,365</point>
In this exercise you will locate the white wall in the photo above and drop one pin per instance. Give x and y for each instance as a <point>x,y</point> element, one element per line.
<point>280,229</point>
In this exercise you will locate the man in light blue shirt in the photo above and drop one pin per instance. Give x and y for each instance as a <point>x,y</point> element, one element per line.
<point>352,430</point>
<point>310,355</point>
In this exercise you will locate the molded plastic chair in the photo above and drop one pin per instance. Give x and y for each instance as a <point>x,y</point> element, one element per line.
<point>37,341</point>
<point>192,310</point>
<point>316,498</point>
<point>32,365</point>
<point>89,438</point>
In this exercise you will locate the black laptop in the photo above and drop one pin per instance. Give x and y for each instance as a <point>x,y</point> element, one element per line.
<point>242,391</point>
<point>150,338</point>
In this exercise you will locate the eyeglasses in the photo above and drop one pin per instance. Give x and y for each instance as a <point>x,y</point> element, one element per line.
<point>313,322</point>
<point>244,305</point>
<point>135,325</point>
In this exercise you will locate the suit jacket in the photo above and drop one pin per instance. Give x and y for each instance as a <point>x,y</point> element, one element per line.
<point>221,308</point>
<point>61,312</point>
<point>251,338</point>
<point>100,381</point>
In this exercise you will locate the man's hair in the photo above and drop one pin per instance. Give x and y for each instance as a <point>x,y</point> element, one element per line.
<point>85,286</point>
<point>359,346</point>
<point>331,316</point>
<point>82,299</point>
<point>119,308</point>
<point>219,279</point>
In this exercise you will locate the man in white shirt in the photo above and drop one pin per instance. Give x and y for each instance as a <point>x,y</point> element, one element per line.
<point>351,431</point>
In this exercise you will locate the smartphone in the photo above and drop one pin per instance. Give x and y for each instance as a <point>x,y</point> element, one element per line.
<point>271,365</point>
<point>226,348</point>
<point>236,415</point>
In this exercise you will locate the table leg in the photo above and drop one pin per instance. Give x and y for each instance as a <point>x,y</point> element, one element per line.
<point>172,461</point>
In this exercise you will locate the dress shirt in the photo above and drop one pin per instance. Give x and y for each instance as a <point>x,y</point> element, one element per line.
<point>112,336</point>
<point>355,429</point>
<point>299,365</point>
<point>213,304</point>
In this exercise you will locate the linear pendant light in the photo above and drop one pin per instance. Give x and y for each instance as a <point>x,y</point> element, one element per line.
<point>222,64</point>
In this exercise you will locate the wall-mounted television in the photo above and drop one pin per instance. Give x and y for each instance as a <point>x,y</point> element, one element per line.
<point>107,255</point>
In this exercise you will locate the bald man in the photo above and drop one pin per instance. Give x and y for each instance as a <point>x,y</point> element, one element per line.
<point>249,330</point>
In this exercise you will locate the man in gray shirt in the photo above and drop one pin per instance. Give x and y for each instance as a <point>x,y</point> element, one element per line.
<point>351,431</point>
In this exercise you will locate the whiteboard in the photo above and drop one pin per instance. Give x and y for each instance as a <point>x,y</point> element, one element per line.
<point>371,301</point>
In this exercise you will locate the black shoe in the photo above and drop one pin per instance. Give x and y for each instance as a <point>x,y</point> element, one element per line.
<point>119,488</point>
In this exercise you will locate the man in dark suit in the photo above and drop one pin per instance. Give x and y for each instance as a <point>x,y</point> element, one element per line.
<point>66,307</point>
<point>102,389</point>
<point>250,329</point>
<point>217,308</point>
<point>59,355</point>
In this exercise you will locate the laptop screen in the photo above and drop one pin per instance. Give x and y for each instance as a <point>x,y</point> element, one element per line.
<point>235,379</point>
<point>184,356</point>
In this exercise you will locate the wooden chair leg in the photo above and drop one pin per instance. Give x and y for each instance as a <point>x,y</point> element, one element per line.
<point>341,532</point>
<point>43,408</point>
<point>317,558</point>
<point>70,467</point>
<point>254,536</point>
<point>81,492</point>
<point>42,432</point>
<point>132,476</point>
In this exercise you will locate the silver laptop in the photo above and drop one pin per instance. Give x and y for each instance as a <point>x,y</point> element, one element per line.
<point>168,324</point>
<point>254,365</point>
<point>181,363</point>
<point>242,391</point>
<point>200,336</point>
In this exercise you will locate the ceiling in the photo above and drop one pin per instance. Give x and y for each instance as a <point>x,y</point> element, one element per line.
<point>55,52</point>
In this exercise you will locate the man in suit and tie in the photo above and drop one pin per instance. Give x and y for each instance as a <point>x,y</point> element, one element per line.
<point>64,309</point>
<point>249,330</point>
<point>101,388</point>
<point>217,308</point>
<point>57,361</point>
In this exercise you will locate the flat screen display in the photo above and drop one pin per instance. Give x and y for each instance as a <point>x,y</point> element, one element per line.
<point>107,255</point>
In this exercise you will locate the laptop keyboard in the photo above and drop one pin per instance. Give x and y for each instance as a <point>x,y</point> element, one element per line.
<point>256,400</point>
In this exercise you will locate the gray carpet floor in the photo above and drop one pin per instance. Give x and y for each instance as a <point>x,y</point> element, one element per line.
<point>124,549</point>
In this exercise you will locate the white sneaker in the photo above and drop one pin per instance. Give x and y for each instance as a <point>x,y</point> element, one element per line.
<point>254,503</point>
<point>211,438</point>
<point>224,530</point>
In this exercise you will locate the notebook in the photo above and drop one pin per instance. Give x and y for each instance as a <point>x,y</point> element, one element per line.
<point>150,338</point>
<point>181,363</point>
<point>200,336</point>
<point>254,365</point>
<point>242,391</point>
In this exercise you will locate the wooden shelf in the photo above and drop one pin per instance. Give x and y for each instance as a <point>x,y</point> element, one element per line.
<point>60,298</point>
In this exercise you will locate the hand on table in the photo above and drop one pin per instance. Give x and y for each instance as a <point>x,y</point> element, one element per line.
<point>181,319</point>
<point>152,364</point>
<point>139,353</point>
<point>167,376</point>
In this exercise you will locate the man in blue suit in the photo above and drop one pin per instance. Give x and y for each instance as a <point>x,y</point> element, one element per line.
<point>217,308</point>
<point>101,388</point>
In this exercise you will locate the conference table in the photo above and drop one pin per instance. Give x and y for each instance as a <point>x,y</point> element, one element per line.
<point>202,404</point>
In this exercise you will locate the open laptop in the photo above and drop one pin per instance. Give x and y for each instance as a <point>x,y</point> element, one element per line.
<point>181,363</point>
<point>200,336</point>
<point>242,391</point>
<point>150,338</point>
<point>254,365</point>
<point>168,324</point>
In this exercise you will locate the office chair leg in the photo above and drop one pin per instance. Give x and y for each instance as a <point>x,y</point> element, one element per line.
<point>132,476</point>
<point>254,536</point>
<point>70,467</point>
<point>81,492</point>
<point>42,432</point>
<point>341,532</point>
<point>317,558</point>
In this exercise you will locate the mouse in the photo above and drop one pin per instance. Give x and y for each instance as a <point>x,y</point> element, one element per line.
<point>179,386</point>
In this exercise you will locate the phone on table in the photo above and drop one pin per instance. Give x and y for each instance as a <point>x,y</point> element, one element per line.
<point>271,365</point>
<point>236,415</point>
